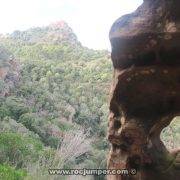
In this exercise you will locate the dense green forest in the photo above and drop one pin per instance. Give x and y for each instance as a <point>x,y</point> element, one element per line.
<point>54,92</point>
<point>53,103</point>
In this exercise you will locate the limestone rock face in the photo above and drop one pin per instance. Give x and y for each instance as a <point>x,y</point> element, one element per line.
<point>145,93</point>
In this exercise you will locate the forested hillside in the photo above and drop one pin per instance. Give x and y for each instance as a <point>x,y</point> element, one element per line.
<point>53,103</point>
<point>53,107</point>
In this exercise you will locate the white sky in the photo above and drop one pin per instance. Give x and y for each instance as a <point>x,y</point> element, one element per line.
<point>90,19</point>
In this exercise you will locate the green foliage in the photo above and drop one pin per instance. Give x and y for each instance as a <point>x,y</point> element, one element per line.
<point>4,112</point>
<point>15,107</point>
<point>27,119</point>
<point>9,173</point>
<point>18,150</point>
<point>52,141</point>
<point>170,135</point>
<point>5,54</point>
<point>9,125</point>
<point>61,84</point>
<point>97,160</point>
<point>2,85</point>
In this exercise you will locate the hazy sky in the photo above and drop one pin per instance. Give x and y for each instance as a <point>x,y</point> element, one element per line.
<point>90,19</point>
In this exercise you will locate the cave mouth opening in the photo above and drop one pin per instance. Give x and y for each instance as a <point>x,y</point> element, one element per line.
<point>170,135</point>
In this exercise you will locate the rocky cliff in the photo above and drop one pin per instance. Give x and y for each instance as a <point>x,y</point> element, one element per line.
<point>145,90</point>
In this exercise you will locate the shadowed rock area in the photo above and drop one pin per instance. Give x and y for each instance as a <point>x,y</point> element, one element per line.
<point>145,92</point>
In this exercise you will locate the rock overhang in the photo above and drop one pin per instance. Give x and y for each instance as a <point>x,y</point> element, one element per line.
<point>145,91</point>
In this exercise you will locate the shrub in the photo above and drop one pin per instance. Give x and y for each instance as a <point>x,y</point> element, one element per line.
<point>16,107</point>
<point>4,112</point>
<point>18,150</point>
<point>9,173</point>
<point>27,120</point>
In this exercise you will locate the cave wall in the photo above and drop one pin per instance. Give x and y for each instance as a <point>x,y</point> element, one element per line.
<point>145,92</point>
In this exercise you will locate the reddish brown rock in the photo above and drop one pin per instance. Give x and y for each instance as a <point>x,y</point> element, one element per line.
<point>145,93</point>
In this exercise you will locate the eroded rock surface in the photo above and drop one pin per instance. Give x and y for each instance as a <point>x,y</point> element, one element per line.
<point>145,93</point>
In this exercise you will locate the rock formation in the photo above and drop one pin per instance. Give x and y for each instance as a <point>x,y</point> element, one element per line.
<point>145,93</point>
